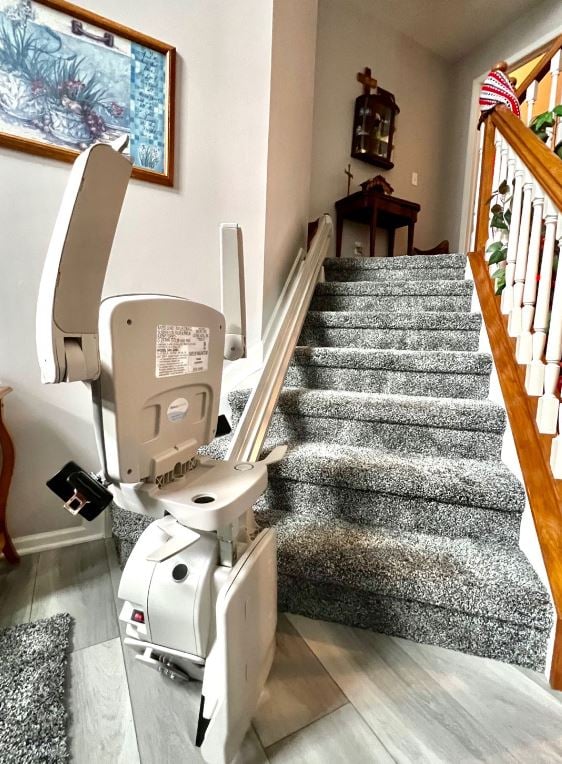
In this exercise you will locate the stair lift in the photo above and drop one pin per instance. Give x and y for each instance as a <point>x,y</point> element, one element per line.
<point>199,598</point>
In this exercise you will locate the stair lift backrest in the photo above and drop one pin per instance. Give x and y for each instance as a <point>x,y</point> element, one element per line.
<point>161,360</point>
<point>75,266</point>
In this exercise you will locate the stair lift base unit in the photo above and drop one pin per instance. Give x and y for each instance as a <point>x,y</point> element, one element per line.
<point>154,365</point>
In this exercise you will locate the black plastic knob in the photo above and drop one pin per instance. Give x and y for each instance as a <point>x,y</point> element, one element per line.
<point>180,571</point>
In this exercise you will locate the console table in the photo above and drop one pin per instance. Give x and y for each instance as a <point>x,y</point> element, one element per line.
<point>6,470</point>
<point>377,210</point>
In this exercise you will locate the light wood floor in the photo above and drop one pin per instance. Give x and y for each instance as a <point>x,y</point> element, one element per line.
<point>335,694</point>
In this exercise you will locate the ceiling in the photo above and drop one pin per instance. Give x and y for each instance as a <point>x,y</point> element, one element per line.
<point>450,28</point>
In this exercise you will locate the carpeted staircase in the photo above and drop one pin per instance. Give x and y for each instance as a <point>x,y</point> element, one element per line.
<point>393,509</point>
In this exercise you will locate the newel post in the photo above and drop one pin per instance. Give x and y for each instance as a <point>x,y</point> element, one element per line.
<point>485,187</point>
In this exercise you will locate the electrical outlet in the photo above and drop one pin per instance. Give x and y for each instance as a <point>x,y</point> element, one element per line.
<point>414,179</point>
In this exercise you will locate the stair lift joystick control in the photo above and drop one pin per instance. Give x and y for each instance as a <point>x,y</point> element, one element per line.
<point>154,365</point>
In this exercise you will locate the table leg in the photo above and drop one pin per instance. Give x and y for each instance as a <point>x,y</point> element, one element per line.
<point>373,232</point>
<point>339,232</point>
<point>410,238</point>
<point>391,234</point>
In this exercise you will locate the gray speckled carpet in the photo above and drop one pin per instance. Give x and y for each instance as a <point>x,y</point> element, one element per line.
<point>393,509</point>
<point>33,717</point>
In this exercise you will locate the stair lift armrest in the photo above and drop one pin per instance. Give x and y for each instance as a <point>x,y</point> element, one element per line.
<point>233,297</point>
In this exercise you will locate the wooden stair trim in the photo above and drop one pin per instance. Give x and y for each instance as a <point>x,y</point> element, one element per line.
<point>543,163</point>
<point>486,179</point>
<point>8,459</point>
<point>540,484</point>
<point>541,69</point>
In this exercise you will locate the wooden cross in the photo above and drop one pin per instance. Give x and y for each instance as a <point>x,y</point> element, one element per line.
<point>366,80</point>
<point>349,177</point>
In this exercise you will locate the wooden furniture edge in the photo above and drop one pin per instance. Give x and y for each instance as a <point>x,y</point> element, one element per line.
<point>539,481</point>
<point>486,180</point>
<point>541,69</point>
<point>8,458</point>
<point>545,166</point>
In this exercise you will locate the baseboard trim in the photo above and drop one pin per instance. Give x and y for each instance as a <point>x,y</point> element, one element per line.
<point>40,542</point>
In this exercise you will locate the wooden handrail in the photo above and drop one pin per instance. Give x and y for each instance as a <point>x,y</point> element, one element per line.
<point>539,482</point>
<point>532,447</point>
<point>545,166</point>
<point>541,69</point>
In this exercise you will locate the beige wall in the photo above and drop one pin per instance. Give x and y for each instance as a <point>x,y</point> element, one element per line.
<point>348,40</point>
<point>518,38</point>
<point>290,141</point>
<point>168,239</point>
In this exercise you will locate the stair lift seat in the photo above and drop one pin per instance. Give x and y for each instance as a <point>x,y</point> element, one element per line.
<point>154,365</point>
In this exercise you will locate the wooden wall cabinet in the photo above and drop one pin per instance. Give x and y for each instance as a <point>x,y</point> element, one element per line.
<point>373,128</point>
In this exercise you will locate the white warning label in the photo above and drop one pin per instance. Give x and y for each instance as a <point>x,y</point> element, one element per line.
<point>181,350</point>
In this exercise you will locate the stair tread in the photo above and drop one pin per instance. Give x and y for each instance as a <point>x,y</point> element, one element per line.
<point>453,260</point>
<point>428,303</point>
<point>447,361</point>
<point>466,482</point>
<point>402,320</point>
<point>438,287</point>
<point>427,411</point>
<point>463,575</point>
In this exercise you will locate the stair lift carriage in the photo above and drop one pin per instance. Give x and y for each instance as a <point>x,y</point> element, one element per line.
<point>200,599</point>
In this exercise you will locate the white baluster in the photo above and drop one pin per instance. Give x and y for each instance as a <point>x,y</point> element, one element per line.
<point>547,410</point>
<point>513,238</point>
<point>499,145</point>
<point>555,66</point>
<point>500,174</point>
<point>534,379</point>
<point>477,189</point>
<point>530,99</point>
<point>510,172</point>
<point>524,350</point>
<point>556,451</point>
<point>514,323</point>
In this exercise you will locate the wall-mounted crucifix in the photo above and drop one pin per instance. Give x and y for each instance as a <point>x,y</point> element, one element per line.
<point>349,178</point>
<point>367,81</point>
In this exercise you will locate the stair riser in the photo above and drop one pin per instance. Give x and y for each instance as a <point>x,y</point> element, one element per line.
<point>379,510</point>
<point>450,260</point>
<point>397,339</point>
<point>487,637</point>
<point>397,274</point>
<point>390,382</point>
<point>390,436</point>
<point>400,302</point>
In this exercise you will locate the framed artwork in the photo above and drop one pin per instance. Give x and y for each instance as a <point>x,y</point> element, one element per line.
<point>70,78</point>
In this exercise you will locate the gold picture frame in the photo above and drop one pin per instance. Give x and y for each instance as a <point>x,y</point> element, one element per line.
<point>70,78</point>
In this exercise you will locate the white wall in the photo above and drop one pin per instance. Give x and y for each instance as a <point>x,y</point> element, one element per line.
<point>348,40</point>
<point>523,35</point>
<point>290,140</point>
<point>167,239</point>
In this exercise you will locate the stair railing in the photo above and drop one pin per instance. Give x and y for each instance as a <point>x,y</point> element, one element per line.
<point>518,238</point>
<point>548,66</point>
<point>253,425</point>
<point>250,434</point>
